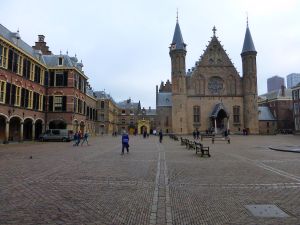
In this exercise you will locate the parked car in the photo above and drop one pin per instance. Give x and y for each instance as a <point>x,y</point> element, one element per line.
<point>56,135</point>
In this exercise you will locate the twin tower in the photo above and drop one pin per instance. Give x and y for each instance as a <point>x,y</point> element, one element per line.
<point>212,95</point>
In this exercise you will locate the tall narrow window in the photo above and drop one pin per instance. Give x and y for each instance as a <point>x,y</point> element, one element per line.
<point>41,102</point>
<point>58,103</point>
<point>60,61</point>
<point>236,114</point>
<point>196,111</point>
<point>2,91</point>
<point>30,99</point>
<point>32,72</point>
<point>20,65</point>
<point>3,56</point>
<point>42,77</point>
<point>59,80</point>
<point>102,105</point>
<point>18,96</point>
<point>75,105</point>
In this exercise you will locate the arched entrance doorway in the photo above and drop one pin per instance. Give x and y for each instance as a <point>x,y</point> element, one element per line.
<point>219,118</point>
<point>2,128</point>
<point>14,129</point>
<point>57,124</point>
<point>38,128</point>
<point>27,129</point>
<point>143,125</point>
<point>143,129</point>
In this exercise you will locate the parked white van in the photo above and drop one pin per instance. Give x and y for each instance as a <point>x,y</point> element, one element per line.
<point>56,135</point>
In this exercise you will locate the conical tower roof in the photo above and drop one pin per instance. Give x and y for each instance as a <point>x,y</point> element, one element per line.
<point>248,42</point>
<point>177,42</point>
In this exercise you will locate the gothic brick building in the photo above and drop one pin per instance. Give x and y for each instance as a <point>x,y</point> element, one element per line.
<point>211,96</point>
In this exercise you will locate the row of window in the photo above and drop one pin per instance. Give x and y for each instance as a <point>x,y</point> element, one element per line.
<point>17,96</point>
<point>23,66</point>
<point>15,62</point>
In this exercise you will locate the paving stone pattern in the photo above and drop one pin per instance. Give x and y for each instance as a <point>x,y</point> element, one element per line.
<point>153,184</point>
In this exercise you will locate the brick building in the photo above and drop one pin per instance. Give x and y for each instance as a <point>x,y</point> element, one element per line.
<point>280,103</point>
<point>40,90</point>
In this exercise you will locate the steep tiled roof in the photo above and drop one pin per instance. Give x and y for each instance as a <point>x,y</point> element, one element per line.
<point>177,38</point>
<point>276,94</point>
<point>248,42</point>
<point>15,39</point>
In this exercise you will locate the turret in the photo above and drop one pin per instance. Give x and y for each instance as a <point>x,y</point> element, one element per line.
<point>177,54</point>
<point>178,75</point>
<point>250,84</point>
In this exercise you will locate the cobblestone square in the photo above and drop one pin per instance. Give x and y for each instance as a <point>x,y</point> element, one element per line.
<point>56,183</point>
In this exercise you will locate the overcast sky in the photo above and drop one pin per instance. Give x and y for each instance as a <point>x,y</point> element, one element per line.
<point>124,43</point>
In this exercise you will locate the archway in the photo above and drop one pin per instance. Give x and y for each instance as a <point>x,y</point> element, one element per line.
<point>143,125</point>
<point>2,128</point>
<point>57,124</point>
<point>221,125</point>
<point>143,129</point>
<point>27,129</point>
<point>219,118</point>
<point>38,128</point>
<point>14,129</point>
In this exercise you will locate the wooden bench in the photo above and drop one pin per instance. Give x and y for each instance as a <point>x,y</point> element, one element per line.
<point>206,136</point>
<point>183,141</point>
<point>191,145</point>
<point>216,138</point>
<point>174,137</point>
<point>203,149</point>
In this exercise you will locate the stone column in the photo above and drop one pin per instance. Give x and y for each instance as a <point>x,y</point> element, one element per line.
<point>33,131</point>
<point>21,131</point>
<point>6,132</point>
<point>215,125</point>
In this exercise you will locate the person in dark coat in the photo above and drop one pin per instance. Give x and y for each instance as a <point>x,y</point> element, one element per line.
<point>160,134</point>
<point>125,142</point>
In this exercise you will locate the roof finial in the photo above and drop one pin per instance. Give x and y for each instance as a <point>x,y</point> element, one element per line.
<point>247,19</point>
<point>214,30</point>
<point>177,16</point>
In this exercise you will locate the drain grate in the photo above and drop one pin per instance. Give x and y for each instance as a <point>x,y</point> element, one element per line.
<point>266,211</point>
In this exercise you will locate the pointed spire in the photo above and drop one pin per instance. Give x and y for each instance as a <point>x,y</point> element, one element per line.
<point>177,42</point>
<point>248,42</point>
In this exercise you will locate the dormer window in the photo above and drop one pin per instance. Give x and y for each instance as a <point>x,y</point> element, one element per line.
<point>60,61</point>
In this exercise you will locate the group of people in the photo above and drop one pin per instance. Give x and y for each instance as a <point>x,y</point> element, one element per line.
<point>78,136</point>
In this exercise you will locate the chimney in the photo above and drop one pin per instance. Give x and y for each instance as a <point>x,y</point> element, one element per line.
<point>42,45</point>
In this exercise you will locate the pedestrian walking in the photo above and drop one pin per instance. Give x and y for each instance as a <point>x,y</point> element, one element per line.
<point>78,138</point>
<point>125,142</point>
<point>160,134</point>
<point>85,139</point>
<point>194,134</point>
<point>75,137</point>
<point>197,133</point>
